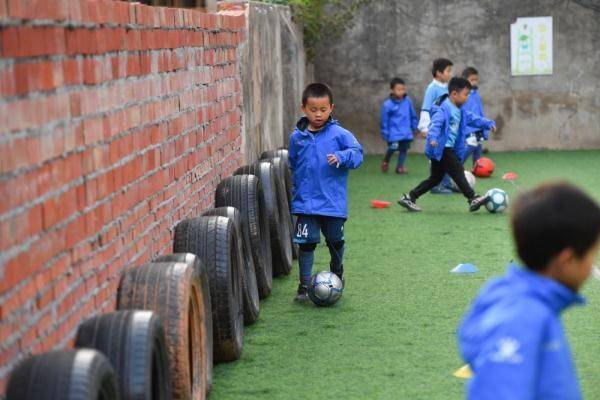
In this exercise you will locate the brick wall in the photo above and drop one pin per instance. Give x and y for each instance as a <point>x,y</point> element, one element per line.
<point>117,120</point>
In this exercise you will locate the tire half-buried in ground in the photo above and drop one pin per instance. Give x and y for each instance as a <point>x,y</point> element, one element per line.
<point>214,240</point>
<point>173,291</point>
<point>134,343</point>
<point>281,249</point>
<point>205,316</point>
<point>244,192</point>
<point>249,286</point>
<point>83,374</point>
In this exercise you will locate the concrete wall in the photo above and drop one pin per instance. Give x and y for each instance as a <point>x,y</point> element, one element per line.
<point>273,75</point>
<point>391,37</point>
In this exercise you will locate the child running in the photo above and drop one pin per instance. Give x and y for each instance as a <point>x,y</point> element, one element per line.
<point>474,104</point>
<point>445,145</point>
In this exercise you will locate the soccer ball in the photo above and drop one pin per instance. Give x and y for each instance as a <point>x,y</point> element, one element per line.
<point>325,288</point>
<point>498,201</point>
<point>470,178</point>
<point>483,168</point>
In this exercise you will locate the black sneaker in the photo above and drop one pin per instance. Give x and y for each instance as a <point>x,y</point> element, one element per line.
<point>407,203</point>
<point>302,295</point>
<point>476,202</point>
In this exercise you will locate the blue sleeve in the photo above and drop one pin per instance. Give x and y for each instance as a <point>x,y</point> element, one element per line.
<point>436,126</point>
<point>507,367</point>
<point>351,154</point>
<point>478,122</point>
<point>414,119</point>
<point>428,99</point>
<point>385,108</point>
<point>292,153</point>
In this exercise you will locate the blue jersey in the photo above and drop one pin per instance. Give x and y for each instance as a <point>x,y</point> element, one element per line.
<point>474,104</point>
<point>434,91</point>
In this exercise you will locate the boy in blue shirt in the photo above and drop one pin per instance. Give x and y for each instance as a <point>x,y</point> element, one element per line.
<point>442,72</point>
<point>474,104</point>
<point>398,121</point>
<point>445,145</point>
<point>512,336</point>
<point>321,154</point>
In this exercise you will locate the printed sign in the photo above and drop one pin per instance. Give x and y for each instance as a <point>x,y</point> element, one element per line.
<point>531,46</point>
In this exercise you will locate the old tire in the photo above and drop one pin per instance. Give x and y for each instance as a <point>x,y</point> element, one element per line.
<point>244,192</point>
<point>281,250</point>
<point>173,291</point>
<point>214,240</point>
<point>134,343</point>
<point>249,286</point>
<point>206,321</point>
<point>83,374</point>
<point>284,155</point>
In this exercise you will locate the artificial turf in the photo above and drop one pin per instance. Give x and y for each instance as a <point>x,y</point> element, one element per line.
<point>392,335</point>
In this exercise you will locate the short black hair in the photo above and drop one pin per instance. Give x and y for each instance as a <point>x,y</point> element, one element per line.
<point>439,65</point>
<point>458,84</point>
<point>317,90</point>
<point>551,218</point>
<point>467,72</point>
<point>396,81</point>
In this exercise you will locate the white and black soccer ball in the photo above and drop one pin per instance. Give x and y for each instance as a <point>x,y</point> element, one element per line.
<point>325,288</point>
<point>470,179</point>
<point>498,200</point>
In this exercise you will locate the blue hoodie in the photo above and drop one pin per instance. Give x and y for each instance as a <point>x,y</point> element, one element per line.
<point>398,119</point>
<point>439,129</point>
<point>513,339</point>
<point>320,188</point>
<point>474,104</point>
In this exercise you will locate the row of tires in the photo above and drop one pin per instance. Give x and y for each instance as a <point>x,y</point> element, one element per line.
<point>181,313</point>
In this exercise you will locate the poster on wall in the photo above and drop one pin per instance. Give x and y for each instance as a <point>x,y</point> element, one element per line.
<point>531,46</point>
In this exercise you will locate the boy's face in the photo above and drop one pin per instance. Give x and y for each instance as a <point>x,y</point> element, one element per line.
<point>317,110</point>
<point>399,90</point>
<point>460,97</point>
<point>575,270</point>
<point>445,75</point>
<point>473,80</point>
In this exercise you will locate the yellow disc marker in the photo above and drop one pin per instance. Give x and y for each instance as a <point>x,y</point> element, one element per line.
<point>464,372</point>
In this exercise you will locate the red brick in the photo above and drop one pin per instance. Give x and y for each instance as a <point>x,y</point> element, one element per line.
<point>38,9</point>
<point>27,41</point>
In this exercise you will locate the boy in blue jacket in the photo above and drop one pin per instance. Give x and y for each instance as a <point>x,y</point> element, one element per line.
<point>445,145</point>
<point>442,72</point>
<point>512,336</point>
<point>474,104</point>
<point>321,154</point>
<point>398,122</point>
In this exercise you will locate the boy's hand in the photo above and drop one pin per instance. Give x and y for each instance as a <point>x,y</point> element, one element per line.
<point>423,134</point>
<point>332,160</point>
<point>433,143</point>
<point>493,129</point>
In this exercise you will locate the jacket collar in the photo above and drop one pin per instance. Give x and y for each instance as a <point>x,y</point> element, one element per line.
<point>394,98</point>
<point>302,125</point>
<point>551,292</point>
<point>438,83</point>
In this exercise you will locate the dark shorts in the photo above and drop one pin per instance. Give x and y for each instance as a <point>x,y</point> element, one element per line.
<point>309,227</point>
<point>399,145</point>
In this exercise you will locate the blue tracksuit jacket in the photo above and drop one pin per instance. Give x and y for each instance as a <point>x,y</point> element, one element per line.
<point>320,188</point>
<point>513,339</point>
<point>439,129</point>
<point>398,119</point>
<point>474,104</point>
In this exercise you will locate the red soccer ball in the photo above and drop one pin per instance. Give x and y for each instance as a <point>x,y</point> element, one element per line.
<point>483,167</point>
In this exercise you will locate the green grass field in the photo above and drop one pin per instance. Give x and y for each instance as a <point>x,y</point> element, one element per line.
<point>392,335</point>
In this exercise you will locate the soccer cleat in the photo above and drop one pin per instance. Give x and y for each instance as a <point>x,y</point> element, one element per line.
<point>401,170</point>
<point>407,203</point>
<point>441,189</point>
<point>476,202</point>
<point>385,166</point>
<point>302,295</point>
